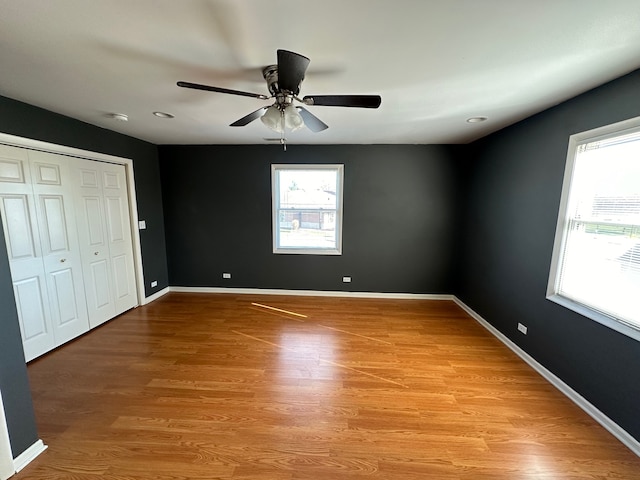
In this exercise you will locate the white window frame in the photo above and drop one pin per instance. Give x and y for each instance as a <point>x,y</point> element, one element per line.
<point>598,134</point>
<point>275,208</point>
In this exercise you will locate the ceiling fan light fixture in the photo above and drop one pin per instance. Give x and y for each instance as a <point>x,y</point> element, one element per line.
<point>292,119</point>
<point>272,118</point>
<point>279,118</point>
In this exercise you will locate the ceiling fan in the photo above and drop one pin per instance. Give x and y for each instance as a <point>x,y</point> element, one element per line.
<point>283,81</point>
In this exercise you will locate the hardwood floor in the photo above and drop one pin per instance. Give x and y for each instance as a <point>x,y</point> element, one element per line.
<point>204,386</point>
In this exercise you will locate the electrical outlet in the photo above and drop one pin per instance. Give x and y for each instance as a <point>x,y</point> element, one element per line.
<point>226,275</point>
<point>346,279</point>
<point>142,225</point>
<point>522,328</point>
<point>154,283</point>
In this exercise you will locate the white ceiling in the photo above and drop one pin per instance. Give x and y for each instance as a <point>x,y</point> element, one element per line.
<point>434,62</point>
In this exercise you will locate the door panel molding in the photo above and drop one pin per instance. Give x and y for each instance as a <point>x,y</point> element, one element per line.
<point>56,239</point>
<point>47,174</point>
<point>21,242</point>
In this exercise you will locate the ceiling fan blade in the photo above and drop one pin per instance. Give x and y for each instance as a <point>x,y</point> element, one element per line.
<point>208,88</point>
<point>312,122</point>
<point>248,118</point>
<point>291,69</point>
<point>359,101</point>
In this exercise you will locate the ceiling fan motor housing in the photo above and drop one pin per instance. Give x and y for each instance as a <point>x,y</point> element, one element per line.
<point>270,74</point>
<point>283,98</point>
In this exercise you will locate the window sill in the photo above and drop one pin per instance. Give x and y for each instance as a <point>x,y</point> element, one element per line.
<point>613,323</point>
<point>306,251</point>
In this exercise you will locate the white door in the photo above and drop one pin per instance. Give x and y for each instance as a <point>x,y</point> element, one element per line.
<point>18,211</point>
<point>114,187</point>
<point>59,242</point>
<point>104,231</point>
<point>67,226</point>
<point>92,234</point>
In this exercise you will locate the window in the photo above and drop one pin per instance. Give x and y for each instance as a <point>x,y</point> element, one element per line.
<point>307,208</point>
<point>595,268</point>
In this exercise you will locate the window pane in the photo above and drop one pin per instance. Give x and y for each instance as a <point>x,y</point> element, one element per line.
<point>602,270</point>
<point>307,229</point>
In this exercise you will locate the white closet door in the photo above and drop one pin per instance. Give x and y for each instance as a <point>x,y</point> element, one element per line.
<point>59,243</point>
<point>116,200</point>
<point>68,233</point>
<point>92,234</point>
<point>104,230</point>
<point>24,250</point>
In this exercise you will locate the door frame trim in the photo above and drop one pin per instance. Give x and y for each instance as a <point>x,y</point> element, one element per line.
<point>29,143</point>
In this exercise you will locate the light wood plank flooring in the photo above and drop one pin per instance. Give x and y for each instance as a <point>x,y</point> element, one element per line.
<point>204,386</point>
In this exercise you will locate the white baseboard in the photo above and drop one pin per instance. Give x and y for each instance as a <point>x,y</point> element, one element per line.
<point>155,296</point>
<point>616,430</point>
<point>311,293</point>
<point>26,457</point>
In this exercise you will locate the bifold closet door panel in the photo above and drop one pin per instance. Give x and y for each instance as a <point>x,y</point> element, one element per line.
<point>104,230</point>
<point>53,195</point>
<point>118,217</point>
<point>17,207</point>
<point>92,235</point>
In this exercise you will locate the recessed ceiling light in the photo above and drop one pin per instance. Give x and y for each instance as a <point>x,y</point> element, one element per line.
<point>121,117</point>
<point>476,119</point>
<point>163,115</point>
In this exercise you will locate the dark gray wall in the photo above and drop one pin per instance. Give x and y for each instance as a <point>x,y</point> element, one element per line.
<point>24,120</point>
<point>400,213</point>
<point>14,382</point>
<point>513,186</point>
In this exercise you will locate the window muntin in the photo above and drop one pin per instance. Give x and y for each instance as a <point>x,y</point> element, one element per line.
<point>307,209</point>
<point>596,260</point>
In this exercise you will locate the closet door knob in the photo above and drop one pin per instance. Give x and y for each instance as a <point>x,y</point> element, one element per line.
<point>62,260</point>
<point>96,253</point>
